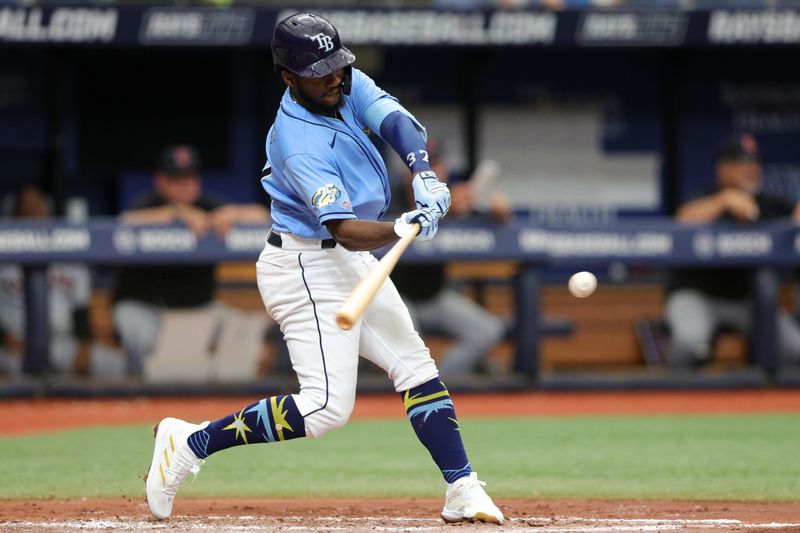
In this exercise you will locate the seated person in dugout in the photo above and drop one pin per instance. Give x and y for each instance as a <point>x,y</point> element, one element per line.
<point>143,292</point>
<point>700,301</point>
<point>72,350</point>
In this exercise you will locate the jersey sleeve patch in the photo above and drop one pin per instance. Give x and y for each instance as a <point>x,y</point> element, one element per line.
<point>325,195</point>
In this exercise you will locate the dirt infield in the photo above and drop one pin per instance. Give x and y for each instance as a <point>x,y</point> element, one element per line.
<point>275,515</point>
<point>373,515</point>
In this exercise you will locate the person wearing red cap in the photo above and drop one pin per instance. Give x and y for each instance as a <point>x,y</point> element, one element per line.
<point>700,301</point>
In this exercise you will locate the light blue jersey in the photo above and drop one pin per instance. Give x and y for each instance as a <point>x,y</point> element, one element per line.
<point>320,168</point>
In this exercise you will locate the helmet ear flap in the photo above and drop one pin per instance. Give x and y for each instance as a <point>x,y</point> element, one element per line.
<point>347,79</point>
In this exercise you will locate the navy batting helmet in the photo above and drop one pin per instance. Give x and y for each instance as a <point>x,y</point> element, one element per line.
<point>309,46</point>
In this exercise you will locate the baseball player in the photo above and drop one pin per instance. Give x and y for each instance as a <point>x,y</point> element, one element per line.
<point>329,190</point>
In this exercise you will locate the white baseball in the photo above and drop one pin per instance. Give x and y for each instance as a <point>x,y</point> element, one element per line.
<point>582,284</point>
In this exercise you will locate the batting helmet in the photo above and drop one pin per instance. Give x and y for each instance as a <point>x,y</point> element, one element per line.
<point>309,46</point>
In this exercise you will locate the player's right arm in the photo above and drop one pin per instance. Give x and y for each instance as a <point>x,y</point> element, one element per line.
<point>361,235</point>
<point>315,181</point>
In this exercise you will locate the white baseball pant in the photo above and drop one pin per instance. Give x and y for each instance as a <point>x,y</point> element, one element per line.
<point>303,286</point>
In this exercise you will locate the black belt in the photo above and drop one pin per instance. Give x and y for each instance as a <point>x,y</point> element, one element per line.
<point>275,240</point>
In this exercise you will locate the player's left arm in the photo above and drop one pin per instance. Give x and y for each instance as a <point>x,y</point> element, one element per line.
<point>401,133</point>
<point>385,116</point>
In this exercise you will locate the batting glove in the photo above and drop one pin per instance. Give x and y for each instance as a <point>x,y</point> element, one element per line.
<point>431,193</point>
<point>426,218</point>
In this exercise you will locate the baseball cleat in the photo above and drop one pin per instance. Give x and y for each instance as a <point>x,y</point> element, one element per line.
<point>466,501</point>
<point>172,461</point>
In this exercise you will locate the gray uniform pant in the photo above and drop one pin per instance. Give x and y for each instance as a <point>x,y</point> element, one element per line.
<point>138,325</point>
<point>474,330</point>
<point>693,319</point>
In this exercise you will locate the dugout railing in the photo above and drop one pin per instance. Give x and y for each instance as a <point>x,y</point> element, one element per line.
<point>767,248</point>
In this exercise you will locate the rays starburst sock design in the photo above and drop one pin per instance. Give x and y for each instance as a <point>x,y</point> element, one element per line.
<point>433,417</point>
<point>239,426</point>
<point>267,420</point>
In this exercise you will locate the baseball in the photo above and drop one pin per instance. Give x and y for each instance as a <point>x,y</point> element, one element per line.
<point>582,284</point>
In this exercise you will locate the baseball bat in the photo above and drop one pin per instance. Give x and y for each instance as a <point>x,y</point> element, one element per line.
<point>367,288</point>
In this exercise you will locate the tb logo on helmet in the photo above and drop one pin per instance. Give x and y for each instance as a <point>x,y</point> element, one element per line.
<point>325,42</point>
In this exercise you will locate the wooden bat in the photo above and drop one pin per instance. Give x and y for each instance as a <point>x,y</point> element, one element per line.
<point>367,288</point>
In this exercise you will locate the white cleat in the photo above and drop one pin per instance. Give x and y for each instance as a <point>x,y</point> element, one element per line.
<point>466,500</point>
<point>172,462</point>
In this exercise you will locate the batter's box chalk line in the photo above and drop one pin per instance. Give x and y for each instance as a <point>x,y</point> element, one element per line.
<point>555,524</point>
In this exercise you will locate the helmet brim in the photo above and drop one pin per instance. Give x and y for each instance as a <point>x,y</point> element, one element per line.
<point>341,58</point>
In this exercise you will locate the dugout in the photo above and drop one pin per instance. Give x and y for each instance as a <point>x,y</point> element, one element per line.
<point>594,116</point>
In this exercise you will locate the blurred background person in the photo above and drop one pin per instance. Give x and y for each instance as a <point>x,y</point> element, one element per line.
<point>72,350</point>
<point>700,301</point>
<point>434,304</point>
<point>142,293</point>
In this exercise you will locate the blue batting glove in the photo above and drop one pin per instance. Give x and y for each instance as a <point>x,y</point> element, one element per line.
<point>426,218</point>
<point>431,193</point>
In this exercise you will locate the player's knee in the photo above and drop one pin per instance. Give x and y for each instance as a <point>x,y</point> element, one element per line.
<point>335,414</point>
<point>339,413</point>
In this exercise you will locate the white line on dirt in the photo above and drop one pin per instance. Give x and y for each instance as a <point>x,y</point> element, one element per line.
<point>554,524</point>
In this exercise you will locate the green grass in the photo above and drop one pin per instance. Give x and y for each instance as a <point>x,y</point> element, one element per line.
<point>685,457</point>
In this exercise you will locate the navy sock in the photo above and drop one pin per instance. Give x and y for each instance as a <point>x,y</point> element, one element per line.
<point>268,420</point>
<point>433,417</point>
